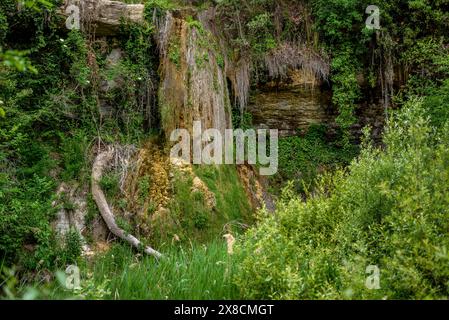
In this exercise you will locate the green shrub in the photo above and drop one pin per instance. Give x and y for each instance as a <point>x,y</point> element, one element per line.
<point>390,210</point>
<point>74,153</point>
<point>110,184</point>
<point>71,250</point>
<point>200,220</point>
<point>25,214</point>
<point>302,158</point>
<point>174,54</point>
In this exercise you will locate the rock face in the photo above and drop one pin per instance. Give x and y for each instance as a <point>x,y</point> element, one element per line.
<point>103,17</point>
<point>301,102</point>
<point>72,217</point>
<point>372,115</point>
<point>193,76</point>
<point>289,107</point>
<point>255,187</point>
<point>200,186</point>
<point>108,85</point>
<point>193,86</point>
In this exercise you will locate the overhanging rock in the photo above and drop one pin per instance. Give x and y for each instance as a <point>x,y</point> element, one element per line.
<point>103,17</point>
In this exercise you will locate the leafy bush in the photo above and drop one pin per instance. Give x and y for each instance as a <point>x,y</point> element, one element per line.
<point>25,212</point>
<point>302,158</point>
<point>74,152</point>
<point>390,210</point>
<point>71,250</point>
<point>48,119</point>
<point>110,184</point>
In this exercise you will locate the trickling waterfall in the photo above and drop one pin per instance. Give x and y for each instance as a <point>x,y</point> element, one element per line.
<point>193,85</point>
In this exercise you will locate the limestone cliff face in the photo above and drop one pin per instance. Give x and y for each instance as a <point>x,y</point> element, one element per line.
<point>292,106</point>
<point>103,17</point>
<point>301,101</point>
<point>193,73</point>
<point>193,85</point>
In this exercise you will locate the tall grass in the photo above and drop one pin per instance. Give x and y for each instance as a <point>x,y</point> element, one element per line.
<point>196,273</point>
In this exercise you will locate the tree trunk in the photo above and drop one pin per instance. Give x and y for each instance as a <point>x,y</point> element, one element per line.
<point>97,171</point>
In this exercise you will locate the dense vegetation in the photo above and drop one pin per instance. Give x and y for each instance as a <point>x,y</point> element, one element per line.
<point>51,118</point>
<point>345,206</point>
<point>390,210</point>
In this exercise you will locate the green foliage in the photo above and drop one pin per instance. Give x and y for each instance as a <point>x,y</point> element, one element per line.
<point>192,23</point>
<point>12,288</point>
<point>429,61</point>
<point>124,224</point>
<point>243,120</point>
<point>412,41</point>
<point>38,5</point>
<point>220,61</point>
<point>192,219</point>
<point>345,92</point>
<point>338,19</point>
<point>340,25</point>
<point>260,31</point>
<point>48,119</point>
<point>389,208</point>
<point>137,74</point>
<point>232,202</point>
<point>71,250</point>
<point>301,159</point>
<point>200,220</point>
<point>27,190</point>
<point>3,27</point>
<point>25,212</point>
<point>436,104</point>
<point>390,211</point>
<point>257,27</point>
<point>109,183</point>
<point>160,4</point>
<point>202,60</point>
<point>74,152</point>
<point>174,54</point>
<point>254,28</point>
<point>17,60</point>
<point>144,188</point>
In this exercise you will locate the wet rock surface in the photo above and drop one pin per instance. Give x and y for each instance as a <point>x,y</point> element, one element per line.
<point>290,108</point>
<point>293,106</point>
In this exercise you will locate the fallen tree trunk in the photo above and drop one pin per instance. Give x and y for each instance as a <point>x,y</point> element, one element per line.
<point>97,171</point>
